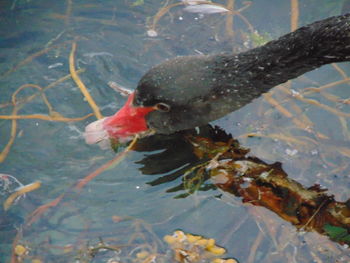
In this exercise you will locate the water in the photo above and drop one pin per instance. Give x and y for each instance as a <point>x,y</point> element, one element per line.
<point>113,45</point>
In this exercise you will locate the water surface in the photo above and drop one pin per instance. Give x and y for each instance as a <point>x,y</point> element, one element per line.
<point>113,45</point>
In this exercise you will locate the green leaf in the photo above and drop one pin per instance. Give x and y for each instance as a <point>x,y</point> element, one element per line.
<point>138,3</point>
<point>337,233</point>
<point>258,39</point>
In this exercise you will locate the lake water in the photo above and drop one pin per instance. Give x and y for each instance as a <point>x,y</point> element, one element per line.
<point>117,42</point>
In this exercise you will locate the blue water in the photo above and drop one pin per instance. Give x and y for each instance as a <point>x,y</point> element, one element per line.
<point>113,45</point>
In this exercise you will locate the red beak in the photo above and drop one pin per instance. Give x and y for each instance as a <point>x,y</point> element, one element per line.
<point>122,126</point>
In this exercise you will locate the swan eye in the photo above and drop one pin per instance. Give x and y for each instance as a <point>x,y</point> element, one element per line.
<point>162,107</point>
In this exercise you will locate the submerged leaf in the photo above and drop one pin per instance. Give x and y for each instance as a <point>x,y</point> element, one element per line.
<point>205,9</point>
<point>193,2</point>
<point>138,3</point>
<point>152,33</point>
<point>259,39</point>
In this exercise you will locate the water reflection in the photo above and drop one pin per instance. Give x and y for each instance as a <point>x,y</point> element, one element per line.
<point>208,158</point>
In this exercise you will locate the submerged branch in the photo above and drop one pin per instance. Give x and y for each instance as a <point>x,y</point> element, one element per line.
<point>80,84</point>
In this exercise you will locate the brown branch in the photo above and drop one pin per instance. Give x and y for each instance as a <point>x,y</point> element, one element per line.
<point>68,12</point>
<point>44,117</point>
<point>294,11</point>
<point>254,248</point>
<point>35,215</point>
<point>340,70</point>
<point>229,18</point>
<point>30,58</point>
<point>86,19</point>
<point>80,84</point>
<point>284,111</point>
<point>21,191</point>
<point>327,86</point>
<point>53,116</point>
<point>161,12</point>
<point>31,97</point>
<point>116,160</point>
<point>8,146</point>
<point>322,106</point>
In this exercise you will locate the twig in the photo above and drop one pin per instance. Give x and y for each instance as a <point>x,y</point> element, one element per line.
<point>294,11</point>
<point>30,58</point>
<point>284,111</point>
<point>161,12</point>
<point>120,89</point>
<point>116,160</point>
<point>328,96</point>
<point>13,6</point>
<point>245,20</point>
<point>23,190</point>
<point>229,18</point>
<point>340,70</point>
<point>8,146</point>
<point>54,116</point>
<point>34,216</point>
<point>43,96</point>
<point>323,106</point>
<point>43,208</point>
<point>281,137</point>
<point>314,214</point>
<point>254,247</point>
<point>31,97</point>
<point>86,19</point>
<point>68,12</point>
<point>80,84</point>
<point>44,117</point>
<point>329,85</point>
<point>287,89</point>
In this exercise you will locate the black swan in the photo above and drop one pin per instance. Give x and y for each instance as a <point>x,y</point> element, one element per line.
<point>190,91</point>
